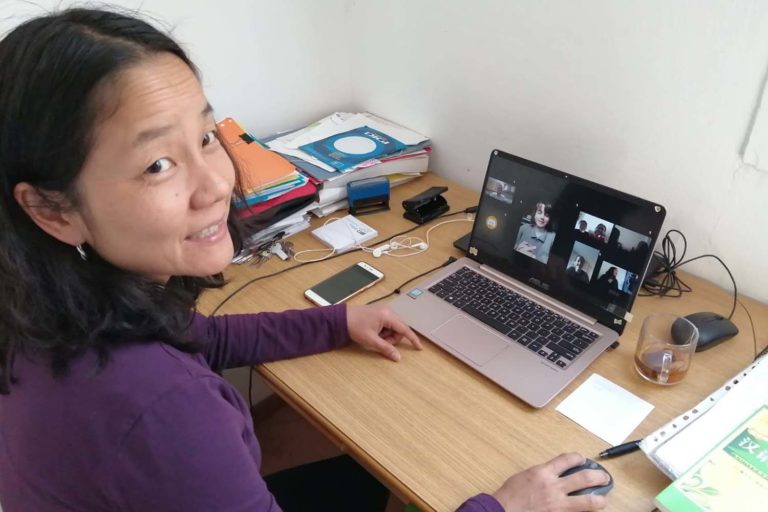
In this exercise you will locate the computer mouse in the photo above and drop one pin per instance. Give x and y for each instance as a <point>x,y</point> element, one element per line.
<point>713,329</point>
<point>599,489</point>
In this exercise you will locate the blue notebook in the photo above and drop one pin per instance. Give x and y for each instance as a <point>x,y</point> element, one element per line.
<point>346,150</point>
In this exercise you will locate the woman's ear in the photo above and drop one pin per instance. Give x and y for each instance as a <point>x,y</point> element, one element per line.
<point>48,210</point>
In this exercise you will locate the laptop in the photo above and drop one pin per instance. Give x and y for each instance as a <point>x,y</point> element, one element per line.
<point>553,267</point>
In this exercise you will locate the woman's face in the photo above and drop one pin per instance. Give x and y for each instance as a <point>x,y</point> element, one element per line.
<point>155,190</point>
<point>541,218</point>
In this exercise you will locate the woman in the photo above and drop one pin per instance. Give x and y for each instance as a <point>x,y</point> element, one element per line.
<point>114,217</point>
<point>535,238</point>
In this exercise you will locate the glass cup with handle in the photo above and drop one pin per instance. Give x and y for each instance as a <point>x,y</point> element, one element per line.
<point>665,348</point>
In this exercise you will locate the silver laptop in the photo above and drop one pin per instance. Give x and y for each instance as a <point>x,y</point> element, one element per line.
<point>553,267</point>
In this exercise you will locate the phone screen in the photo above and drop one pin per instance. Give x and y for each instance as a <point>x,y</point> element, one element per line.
<point>340,286</point>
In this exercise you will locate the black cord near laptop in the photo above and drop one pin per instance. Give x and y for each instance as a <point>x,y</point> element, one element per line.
<point>671,284</point>
<point>471,209</point>
<point>397,290</point>
<point>663,280</point>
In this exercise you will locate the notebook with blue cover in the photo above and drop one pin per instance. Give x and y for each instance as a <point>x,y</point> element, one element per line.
<point>346,150</point>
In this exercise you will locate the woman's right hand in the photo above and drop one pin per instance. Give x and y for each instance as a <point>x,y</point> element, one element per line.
<point>540,488</point>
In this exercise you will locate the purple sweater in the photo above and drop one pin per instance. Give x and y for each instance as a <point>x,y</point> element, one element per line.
<point>156,429</point>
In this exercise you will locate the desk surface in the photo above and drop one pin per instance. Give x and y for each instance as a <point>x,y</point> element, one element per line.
<point>431,428</point>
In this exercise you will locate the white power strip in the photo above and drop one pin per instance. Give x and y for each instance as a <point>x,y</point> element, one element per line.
<point>345,233</point>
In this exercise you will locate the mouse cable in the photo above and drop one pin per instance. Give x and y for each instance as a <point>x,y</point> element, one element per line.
<point>754,334</point>
<point>396,291</point>
<point>762,353</point>
<point>735,298</point>
<point>735,290</point>
<point>671,284</point>
<point>471,209</point>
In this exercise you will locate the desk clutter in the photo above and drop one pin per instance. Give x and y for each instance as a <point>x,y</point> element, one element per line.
<point>717,452</point>
<point>368,196</point>
<point>732,476</point>
<point>344,160</point>
<point>350,161</point>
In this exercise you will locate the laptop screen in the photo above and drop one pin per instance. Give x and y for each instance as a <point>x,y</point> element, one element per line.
<point>580,242</point>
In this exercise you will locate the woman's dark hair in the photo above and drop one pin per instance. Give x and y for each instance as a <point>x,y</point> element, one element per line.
<point>52,69</point>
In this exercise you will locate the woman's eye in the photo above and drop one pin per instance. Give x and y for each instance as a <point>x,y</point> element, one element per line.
<point>209,138</point>
<point>160,165</point>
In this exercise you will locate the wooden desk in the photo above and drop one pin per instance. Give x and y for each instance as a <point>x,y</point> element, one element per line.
<point>431,428</point>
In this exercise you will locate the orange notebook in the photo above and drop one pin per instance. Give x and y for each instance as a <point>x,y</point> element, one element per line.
<point>258,166</point>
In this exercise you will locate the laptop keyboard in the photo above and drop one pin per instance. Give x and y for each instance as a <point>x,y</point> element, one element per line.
<point>540,330</point>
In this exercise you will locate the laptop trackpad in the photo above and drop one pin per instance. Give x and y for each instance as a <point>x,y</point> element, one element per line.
<point>471,339</point>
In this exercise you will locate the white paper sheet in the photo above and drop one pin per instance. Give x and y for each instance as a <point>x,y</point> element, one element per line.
<point>605,409</point>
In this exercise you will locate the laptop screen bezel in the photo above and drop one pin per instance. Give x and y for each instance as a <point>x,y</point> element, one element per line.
<point>578,301</point>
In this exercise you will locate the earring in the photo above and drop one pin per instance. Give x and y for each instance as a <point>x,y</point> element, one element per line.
<point>81,252</point>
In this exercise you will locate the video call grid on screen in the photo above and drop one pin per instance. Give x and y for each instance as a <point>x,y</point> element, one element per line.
<point>566,236</point>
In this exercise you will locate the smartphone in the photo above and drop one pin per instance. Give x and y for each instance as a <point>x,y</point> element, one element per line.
<point>347,283</point>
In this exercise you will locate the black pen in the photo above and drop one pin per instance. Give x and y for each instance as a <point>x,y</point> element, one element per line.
<point>615,451</point>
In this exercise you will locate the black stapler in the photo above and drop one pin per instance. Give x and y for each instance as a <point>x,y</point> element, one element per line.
<point>426,206</point>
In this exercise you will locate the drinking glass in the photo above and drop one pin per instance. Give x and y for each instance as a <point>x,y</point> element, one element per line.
<point>665,348</point>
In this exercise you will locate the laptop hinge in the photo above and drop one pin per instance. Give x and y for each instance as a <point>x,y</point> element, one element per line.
<point>553,303</point>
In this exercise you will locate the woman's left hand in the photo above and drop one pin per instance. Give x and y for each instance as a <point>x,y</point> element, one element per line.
<point>377,328</point>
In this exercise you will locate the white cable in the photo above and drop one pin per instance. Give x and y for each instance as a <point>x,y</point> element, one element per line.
<point>332,219</point>
<point>444,222</point>
<point>413,243</point>
<point>333,251</point>
<point>397,243</point>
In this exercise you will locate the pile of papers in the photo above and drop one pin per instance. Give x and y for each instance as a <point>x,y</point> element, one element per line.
<point>274,191</point>
<point>344,147</point>
<point>287,176</point>
<point>265,175</point>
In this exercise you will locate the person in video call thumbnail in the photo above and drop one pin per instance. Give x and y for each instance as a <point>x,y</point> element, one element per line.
<point>608,281</point>
<point>576,270</point>
<point>534,239</point>
<point>599,233</point>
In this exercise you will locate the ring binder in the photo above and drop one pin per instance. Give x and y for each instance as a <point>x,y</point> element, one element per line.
<point>677,445</point>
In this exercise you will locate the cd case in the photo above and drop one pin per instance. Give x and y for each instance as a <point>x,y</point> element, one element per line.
<point>346,150</point>
<point>345,233</point>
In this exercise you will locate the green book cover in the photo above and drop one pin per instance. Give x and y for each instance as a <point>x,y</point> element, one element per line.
<point>733,476</point>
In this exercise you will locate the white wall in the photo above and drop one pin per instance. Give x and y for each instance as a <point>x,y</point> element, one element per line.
<point>651,97</point>
<point>272,64</point>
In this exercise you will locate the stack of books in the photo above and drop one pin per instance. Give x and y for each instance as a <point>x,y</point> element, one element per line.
<point>289,175</point>
<point>275,193</point>
<point>265,175</point>
<point>345,147</point>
